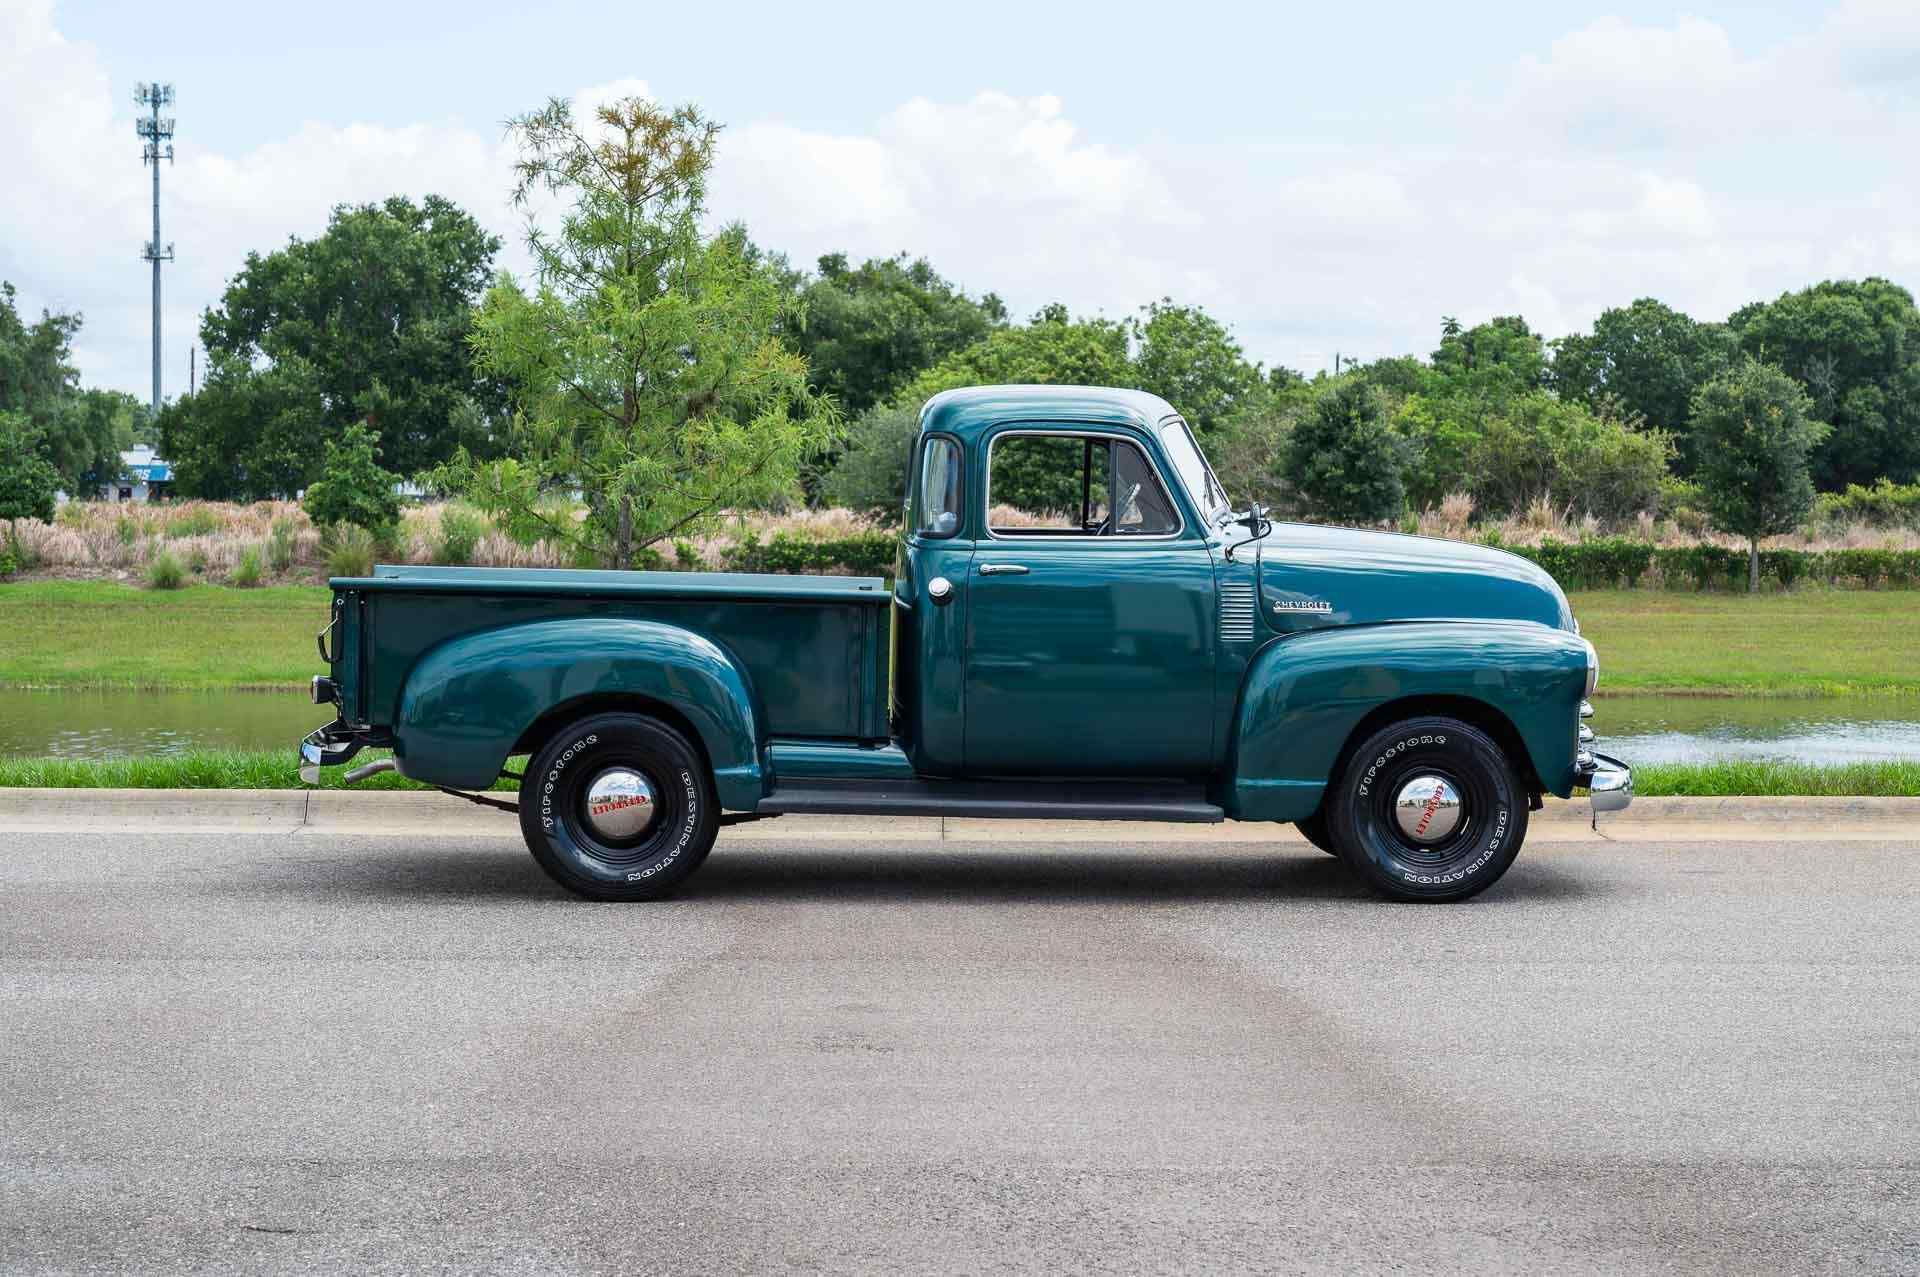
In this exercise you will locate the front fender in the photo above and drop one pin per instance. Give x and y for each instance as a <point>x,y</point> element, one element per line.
<point>1304,695</point>
<point>467,701</point>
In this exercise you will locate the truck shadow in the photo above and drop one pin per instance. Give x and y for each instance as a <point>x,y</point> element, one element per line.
<point>1063,876</point>
<point>764,874</point>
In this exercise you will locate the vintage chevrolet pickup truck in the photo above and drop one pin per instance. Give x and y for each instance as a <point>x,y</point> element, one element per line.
<point>1147,653</point>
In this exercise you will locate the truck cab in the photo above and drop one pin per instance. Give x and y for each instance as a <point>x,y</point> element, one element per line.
<point>1080,625</point>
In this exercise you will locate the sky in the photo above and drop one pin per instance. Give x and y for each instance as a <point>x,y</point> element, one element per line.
<point>1324,178</point>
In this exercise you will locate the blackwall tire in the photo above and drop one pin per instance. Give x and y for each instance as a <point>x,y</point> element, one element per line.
<point>633,840</point>
<point>1314,830</point>
<point>1429,809</point>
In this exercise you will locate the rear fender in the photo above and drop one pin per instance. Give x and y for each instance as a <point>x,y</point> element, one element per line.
<point>1303,697</point>
<point>468,700</point>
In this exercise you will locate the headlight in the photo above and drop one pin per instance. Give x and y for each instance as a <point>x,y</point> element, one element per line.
<point>1593,668</point>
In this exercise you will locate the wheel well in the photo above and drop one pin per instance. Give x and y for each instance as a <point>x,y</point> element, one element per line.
<point>580,707</point>
<point>1468,710</point>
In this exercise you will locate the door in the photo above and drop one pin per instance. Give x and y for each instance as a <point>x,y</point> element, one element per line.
<point>1089,647</point>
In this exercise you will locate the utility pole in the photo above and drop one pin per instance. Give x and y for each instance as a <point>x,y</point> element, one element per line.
<point>157,129</point>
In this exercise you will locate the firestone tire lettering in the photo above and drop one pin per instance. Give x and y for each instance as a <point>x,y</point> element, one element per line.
<point>1361,822</point>
<point>574,853</point>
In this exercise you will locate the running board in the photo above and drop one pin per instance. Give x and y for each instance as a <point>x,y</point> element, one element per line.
<point>994,800</point>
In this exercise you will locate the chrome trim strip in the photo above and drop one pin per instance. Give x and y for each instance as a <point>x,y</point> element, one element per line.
<point>1236,613</point>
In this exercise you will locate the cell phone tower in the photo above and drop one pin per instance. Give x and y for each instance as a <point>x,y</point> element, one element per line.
<point>157,129</point>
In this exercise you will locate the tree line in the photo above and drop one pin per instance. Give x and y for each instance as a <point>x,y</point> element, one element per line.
<point>666,373</point>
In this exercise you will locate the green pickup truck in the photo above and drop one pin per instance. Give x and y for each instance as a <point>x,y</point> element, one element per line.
<point>1080,626</point>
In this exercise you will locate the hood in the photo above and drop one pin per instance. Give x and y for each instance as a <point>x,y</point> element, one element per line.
<point>1312,577</point>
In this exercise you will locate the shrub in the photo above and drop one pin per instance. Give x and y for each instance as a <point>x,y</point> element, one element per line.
<point>686,556</point>
<point>194,521</point>
<point>197,560</point>
<point>350,550</point>
<point>1345,460</point>
<point>166,572</point>
<point>9,565</point>
<point>460,532</point>
<point>280,546</point>
<point>353,488</point>
<point>247,572</point>
<point>1884,505</point>
<point>125,530</point>
<point>862,554</point>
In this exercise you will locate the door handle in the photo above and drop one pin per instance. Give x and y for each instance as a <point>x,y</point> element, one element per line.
<point>1003,569</point>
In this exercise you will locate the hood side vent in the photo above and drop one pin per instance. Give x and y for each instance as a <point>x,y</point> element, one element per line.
<point>1236,613</point>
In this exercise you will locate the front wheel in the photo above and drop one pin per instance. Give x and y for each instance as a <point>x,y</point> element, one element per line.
<point>618,807</point>
<point>1429,809</point>
<point>1314,830</point>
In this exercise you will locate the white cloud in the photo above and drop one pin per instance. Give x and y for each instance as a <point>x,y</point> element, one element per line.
<point>1619,161</point>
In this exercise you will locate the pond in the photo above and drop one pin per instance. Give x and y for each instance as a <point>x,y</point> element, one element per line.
<point>1649,729</point>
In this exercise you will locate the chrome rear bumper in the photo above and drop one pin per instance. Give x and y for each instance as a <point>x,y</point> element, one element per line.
<point>327,746</point>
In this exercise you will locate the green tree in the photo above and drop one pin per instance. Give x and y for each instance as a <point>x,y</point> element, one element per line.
<point>869,329</point>
<point>1191,360</point>
<point>1757,436</point>
<point>378,310</point>
<point>249,434</point>
<point>94,427</point>
<point>646,363</point>
<point>352,488</point>
<point>1490,362</point>
<point>1855,347</point>
<point>1648,358</point>
<point>1050,349</point>
<point>27,481</point>
<point>37,377</point>
<point>871,474</point>
<point>1539,447</point>
<point>1344,459</point>
<point>80,433</point>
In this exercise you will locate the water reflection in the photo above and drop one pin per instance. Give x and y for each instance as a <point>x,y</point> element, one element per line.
<point>1687,729</point>
<point>1650,729</point>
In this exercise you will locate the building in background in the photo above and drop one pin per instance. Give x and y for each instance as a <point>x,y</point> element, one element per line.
<point>142,477</point>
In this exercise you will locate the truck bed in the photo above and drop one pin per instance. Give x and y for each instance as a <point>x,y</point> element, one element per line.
<point>814,647</point>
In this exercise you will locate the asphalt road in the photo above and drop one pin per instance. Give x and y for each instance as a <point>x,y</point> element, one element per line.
<point>318,1052</point>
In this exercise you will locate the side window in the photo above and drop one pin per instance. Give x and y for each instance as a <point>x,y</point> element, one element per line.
<point>940,488</point>
<point>1143,507</point>
<point>1074,485</point>
<point>1051,484</point>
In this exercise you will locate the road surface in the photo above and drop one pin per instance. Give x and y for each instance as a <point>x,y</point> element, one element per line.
<point>324,1052</point>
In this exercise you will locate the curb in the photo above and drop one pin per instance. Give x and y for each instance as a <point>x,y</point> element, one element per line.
<point>416,814</point>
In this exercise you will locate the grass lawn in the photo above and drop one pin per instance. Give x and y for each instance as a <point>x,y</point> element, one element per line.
<point>1776,780</point>
<point>201,769</point>
<point>104,634</point>
<point>275,770</point>
<point>1808,643</point>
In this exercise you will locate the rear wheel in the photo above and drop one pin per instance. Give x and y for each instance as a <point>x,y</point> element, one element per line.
<point>618,807</point>
<point>1428,809</point>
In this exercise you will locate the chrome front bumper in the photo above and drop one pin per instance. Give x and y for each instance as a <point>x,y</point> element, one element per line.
<point>1607,780</point>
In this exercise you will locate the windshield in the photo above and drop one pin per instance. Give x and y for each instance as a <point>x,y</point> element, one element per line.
<point>1194,470</point>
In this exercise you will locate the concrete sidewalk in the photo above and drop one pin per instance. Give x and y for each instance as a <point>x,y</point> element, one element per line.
<point>414,814</point>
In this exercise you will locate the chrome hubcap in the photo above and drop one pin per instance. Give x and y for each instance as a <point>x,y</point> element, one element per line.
<point>1428,809</point>
<point>620,804</point>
